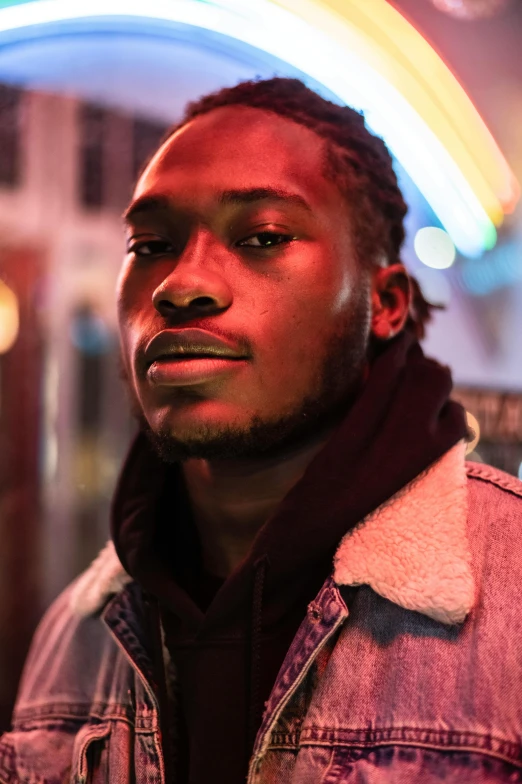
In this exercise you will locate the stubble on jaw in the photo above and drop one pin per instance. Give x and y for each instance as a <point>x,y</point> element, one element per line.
<point>336,384</point>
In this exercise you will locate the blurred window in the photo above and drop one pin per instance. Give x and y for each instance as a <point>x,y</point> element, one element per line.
<point>10,142</point>
<point>93,131</point>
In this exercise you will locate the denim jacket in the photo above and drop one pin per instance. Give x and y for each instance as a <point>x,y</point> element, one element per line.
<point>407,668</point>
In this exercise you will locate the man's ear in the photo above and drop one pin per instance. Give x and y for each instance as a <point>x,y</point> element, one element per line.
<point>391,298</point>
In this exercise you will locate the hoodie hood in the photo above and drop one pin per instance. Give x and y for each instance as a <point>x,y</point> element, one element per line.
<point>412,550</point>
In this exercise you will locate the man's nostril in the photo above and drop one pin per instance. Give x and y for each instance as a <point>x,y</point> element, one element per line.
<point>164,303</point>
<point>202,302</point>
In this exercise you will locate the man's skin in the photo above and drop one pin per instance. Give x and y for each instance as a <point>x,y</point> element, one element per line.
<point>200,257</point>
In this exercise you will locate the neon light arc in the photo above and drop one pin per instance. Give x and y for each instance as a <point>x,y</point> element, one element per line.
<point>374,60</point>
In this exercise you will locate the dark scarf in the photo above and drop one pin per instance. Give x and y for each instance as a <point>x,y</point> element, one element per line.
<point>401,423</point>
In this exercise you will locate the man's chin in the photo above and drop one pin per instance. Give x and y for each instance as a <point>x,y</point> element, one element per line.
<point>258,439</point>
<point>206,444</point>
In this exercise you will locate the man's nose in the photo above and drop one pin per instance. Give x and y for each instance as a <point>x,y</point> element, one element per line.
<point>192,289</point>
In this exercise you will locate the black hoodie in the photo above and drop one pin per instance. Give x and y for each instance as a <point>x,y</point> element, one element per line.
<point>228,639</point>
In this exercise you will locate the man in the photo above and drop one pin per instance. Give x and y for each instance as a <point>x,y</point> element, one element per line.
<point>306,583</point>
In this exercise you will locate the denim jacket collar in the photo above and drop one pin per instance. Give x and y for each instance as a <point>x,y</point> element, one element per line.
<point>412,550</point>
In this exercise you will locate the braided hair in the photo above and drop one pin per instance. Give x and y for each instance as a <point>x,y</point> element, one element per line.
<point>356,160</point>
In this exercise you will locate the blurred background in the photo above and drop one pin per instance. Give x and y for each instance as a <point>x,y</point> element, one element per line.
<point>87,90</point>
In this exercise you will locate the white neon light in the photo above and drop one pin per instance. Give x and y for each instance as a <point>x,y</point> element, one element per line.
<point>434,247</point>
<point>268,27</point>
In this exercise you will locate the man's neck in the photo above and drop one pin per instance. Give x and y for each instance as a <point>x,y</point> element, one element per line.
<point>232,499</point>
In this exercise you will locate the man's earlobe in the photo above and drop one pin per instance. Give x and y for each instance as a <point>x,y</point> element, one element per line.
<point>381,328</point>
<point>385,334</point>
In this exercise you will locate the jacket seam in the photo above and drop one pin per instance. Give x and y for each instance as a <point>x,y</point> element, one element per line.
<point>32,720</point>
<point>70,710</point>
<point>415,744</point>
<point>484,474</point>
<point>390,736</point>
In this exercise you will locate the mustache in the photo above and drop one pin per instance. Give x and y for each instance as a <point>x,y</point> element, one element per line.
<point>240,343</point>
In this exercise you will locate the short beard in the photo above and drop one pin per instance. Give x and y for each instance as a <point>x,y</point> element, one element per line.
<point>339,381</point>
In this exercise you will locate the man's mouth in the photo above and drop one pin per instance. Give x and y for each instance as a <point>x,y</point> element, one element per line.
<point>190,344</point>
<point>190,356</point>
<point>194,354</point>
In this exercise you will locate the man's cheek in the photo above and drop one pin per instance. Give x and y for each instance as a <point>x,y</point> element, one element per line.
<point>288,378</point>
<point>292,348</point>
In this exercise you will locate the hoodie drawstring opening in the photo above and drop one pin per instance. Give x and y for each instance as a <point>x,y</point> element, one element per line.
<point>161,677</point>
<point>255,708</point>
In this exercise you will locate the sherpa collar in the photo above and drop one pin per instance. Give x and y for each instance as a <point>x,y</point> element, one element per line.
<point>412,550</point>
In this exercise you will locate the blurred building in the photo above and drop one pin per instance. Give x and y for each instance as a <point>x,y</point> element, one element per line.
<point>66,169</point>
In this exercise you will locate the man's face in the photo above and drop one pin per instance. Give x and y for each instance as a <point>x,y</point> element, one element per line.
<point>234,231</point>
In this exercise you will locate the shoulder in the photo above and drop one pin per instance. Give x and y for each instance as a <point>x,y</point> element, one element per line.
<point>72,640</point>
<point>495,535</point>
<point>104,577</point>
<point>494,501</point>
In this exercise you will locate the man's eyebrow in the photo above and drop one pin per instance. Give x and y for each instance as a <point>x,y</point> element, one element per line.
<point>146,204</point>
<point>149,204</point>
<point>250,195</point>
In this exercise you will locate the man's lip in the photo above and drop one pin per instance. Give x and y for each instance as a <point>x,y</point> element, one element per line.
<point>193,343</point>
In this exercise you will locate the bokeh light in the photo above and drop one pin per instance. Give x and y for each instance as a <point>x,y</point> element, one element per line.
<point>9,318</point>
<point>434,247</point>
<point>500,268</point>
<point>471,9</point>
<point>474,428</point>
<point>89,332</point>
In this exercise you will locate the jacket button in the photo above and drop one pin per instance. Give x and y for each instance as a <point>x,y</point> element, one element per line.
<point>315,613</point>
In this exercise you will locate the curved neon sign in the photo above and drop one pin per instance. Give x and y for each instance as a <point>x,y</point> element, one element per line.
<point>374,60</point>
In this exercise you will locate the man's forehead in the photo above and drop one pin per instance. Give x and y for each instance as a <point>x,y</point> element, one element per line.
<point>241,126</point>
<point>241,136</point>
<point>239,148</point>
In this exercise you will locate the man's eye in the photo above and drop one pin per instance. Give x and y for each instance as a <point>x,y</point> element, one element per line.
<point>265,239</point>
<point>147,248</point>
